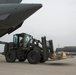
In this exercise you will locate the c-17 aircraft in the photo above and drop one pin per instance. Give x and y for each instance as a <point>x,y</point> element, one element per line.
<point>13,13</point>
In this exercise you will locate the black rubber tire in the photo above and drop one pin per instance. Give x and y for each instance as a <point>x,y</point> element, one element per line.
<point>33,57</point>
<point>21,60</point>
<point>41,59</point>
<point>10,56</point>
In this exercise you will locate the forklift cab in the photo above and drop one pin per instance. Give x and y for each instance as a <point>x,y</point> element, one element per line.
<point>21,40</point>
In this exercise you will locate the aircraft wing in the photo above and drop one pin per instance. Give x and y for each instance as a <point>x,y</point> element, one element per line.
<point>12,16</point>
<point>10,1</point>
<point>6,30</point>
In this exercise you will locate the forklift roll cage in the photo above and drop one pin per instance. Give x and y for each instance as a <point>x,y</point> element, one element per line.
<point>22,38</point>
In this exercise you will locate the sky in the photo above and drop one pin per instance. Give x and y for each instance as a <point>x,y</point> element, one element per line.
<point>56,20</point>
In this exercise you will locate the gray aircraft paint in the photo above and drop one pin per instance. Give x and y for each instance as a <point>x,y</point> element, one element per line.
<point>10,1</point>
<point>12,15</point>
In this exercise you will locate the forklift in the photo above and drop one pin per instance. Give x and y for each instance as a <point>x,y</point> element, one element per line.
<point>24,46</point>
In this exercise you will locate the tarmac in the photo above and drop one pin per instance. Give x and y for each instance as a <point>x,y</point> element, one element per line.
<point>59,67</point>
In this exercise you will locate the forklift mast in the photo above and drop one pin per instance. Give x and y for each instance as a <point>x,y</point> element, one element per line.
<point>47,47</point>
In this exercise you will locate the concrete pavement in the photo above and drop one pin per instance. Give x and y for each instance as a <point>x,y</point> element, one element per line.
<point>60,67</point>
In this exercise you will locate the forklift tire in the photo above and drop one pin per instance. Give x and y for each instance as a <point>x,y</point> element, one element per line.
<point>33,57</point>
<point>42,60</point>
<point>10,56</point>
<point>21,60</point>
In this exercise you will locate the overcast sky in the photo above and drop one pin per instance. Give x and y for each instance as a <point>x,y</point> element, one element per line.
<point>56,20</point>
